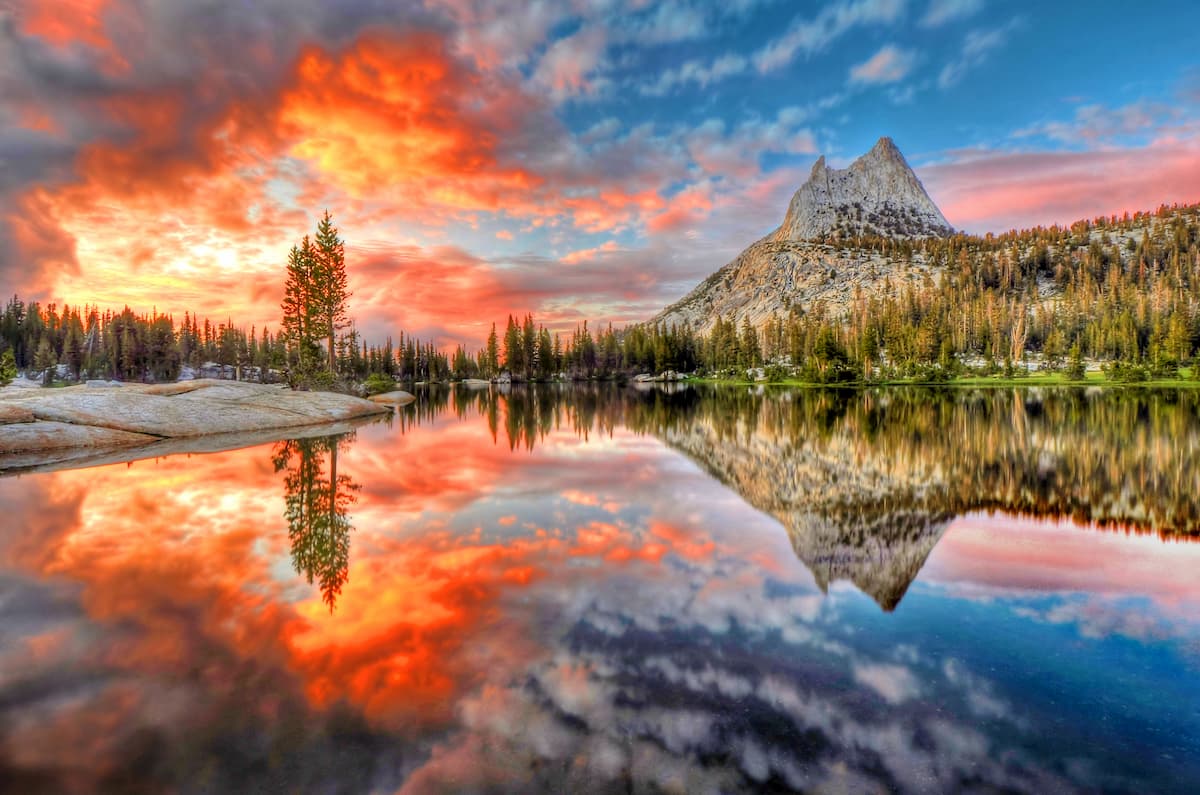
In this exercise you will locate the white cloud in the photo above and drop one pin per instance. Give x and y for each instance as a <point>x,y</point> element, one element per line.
<point>889,65</point>
<point>569,67</point>
<point>1095,124</point>
<point>806,36</point>
<point>895,684</point>
<point>698,72</point>
<point>942,11</point>
<point>977,48</point>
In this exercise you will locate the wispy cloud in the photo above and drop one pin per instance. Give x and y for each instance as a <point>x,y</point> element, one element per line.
<point>942,11</point>
<point>807,36</point>
<point>1099,124</point>
<point>977,47</point>
<point>890,65</point>
<point>698,72</point>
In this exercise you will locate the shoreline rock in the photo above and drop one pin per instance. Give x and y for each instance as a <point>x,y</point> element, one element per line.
<point>95,418</point>
<point>396,398</point>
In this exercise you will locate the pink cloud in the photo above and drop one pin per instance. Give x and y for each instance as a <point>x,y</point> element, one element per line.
<point>991,191</point>
<point>889,65</point>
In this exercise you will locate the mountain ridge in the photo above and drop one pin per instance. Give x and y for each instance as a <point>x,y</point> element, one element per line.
<point>876,194</point>
<point>810,257</point>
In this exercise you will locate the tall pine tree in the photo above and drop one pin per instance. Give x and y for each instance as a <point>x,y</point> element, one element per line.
<point>330,284</point>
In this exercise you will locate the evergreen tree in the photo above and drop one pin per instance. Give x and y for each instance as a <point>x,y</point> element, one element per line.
<point>8,367</point>
<point>330,286</point>
<point>301,324</point>
<point>492,357</point>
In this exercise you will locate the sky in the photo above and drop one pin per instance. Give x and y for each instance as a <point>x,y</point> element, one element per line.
<point>578,160</point>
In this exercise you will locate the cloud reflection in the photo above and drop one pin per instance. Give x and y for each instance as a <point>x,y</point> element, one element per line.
<point>635,625</point>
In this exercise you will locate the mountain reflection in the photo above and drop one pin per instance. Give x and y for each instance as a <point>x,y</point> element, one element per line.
<point>866,481</point>
<point>549,592</point>
<point>316,505</point>
<point>1120,458</point>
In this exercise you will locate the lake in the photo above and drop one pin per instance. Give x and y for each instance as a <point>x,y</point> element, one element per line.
<point>598,589</point>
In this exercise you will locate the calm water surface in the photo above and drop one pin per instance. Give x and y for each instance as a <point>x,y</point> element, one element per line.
<point>610,590</point>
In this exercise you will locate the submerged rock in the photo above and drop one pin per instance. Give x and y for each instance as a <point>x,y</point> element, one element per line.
<point>397,398</point>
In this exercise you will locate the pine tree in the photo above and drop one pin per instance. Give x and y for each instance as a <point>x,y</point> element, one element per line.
<point>8,367</point>
<point>330,293</point>
<point>301,321</point>
<point>492,357</point>
<point>45,360</point>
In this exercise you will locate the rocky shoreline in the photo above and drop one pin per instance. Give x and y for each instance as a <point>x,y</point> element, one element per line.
<point>70,426</point>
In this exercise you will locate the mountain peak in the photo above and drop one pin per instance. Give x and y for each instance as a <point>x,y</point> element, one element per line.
<point>877,194</point>
<point>885,145</point>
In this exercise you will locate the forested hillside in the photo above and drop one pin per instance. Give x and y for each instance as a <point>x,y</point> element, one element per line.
<point>1119,290</point>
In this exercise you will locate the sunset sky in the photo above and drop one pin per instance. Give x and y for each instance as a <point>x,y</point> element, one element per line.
<point>578,160</point>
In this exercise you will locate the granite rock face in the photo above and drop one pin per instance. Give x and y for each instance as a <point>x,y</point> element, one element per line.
<point>102,417</point>
<point>809,259</point>
<point>878,194</point>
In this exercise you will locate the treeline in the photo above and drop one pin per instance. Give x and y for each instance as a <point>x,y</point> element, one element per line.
<point>1124,291</point>
<point>529,352</point>
<point>85,342</point>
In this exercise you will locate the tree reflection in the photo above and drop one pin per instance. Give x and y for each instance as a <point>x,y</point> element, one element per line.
<point>1119,458</point>
<point>316,508</point>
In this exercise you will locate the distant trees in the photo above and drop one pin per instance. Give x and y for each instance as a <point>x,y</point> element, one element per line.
<point>1110,290</point>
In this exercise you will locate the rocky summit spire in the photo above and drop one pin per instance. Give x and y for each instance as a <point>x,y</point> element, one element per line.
<point>877,194</point>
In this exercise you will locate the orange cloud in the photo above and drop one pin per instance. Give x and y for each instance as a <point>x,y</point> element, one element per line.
<point>392,112</point>
<point>74,23</point>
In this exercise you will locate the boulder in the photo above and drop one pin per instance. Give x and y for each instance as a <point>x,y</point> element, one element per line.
<point>194,408</point>
<point>396,398</point>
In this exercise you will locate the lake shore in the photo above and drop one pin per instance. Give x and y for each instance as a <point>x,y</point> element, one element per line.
<point>80,425</point>
<point>1093,379</point>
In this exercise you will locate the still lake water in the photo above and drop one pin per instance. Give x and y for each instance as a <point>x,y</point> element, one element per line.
<point>594,590</point>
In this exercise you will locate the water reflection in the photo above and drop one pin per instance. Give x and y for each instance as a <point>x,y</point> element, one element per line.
<point>316,506</point>
<point>605,590</point>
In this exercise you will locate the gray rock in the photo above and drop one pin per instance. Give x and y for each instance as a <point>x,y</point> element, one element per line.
<point>27,437</point>
<point>138,414</point>
<point>877,194</point>
<point>803,261</point>
<point>397,398</point>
